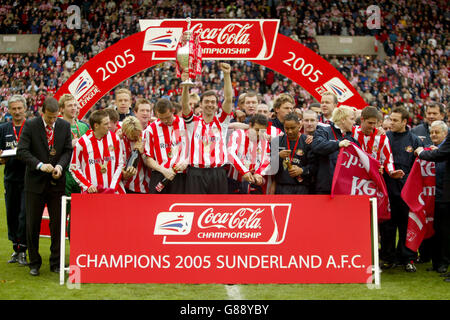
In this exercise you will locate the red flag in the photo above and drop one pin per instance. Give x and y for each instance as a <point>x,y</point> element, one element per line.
<point>419,194</point>
<point>357,173</point>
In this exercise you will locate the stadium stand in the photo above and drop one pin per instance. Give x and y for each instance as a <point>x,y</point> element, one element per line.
<point>413,34</point>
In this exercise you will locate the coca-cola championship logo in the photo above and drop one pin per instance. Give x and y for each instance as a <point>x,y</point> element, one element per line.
<point>225,223</point>
<point>220,39</point>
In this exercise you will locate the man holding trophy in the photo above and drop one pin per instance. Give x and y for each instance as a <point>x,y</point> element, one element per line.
<point>207,133</point>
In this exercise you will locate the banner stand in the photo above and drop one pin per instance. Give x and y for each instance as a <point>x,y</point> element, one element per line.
<point>62,258</point>
<point>375,257</point>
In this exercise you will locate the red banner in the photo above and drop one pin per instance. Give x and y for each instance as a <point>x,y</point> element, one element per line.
<point>255,40</point>
<point>221,39</point>
<point>220,239</point>
<point>357,173</point>
<point>419,194</point>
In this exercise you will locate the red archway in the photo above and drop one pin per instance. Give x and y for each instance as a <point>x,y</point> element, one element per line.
<point>98,76</point>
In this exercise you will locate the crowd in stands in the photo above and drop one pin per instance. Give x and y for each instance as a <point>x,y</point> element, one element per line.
<point>414,35</point>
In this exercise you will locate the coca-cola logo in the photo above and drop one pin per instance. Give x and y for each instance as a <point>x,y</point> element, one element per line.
<point>220,39</point>
<point>243,218</point>
<point>233,33</point>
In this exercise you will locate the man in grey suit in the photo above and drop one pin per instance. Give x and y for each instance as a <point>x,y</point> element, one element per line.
<point>45,147</point>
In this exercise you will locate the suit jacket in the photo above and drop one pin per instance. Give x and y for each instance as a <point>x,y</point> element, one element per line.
<point>33,148</point>
<point>439,155</point>
<point>423,132</point>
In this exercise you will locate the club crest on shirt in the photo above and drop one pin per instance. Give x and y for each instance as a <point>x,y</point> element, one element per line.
<point>409,149</point>
<point>299,152</point>
<point>11,144</point>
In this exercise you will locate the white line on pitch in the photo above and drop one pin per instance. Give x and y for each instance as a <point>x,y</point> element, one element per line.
<point>234,293</point>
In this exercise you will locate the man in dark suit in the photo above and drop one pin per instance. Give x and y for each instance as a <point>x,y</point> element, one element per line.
<point>45,147</point>
<point>441,154</point>
<point>433,112</point>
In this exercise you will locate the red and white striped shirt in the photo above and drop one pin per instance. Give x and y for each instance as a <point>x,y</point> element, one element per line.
<point>91,154</point>
<point>168,145</point>
<point>377,146</point>
<point>246,155</point>
<point>272,132</point>
<point>208,148</point>
<point>140,181</point>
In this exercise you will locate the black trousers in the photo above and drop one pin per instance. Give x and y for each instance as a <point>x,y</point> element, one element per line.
<point>206,181</point>
<point>390,252</point>
<point>234,187</point>
<point>291,189</point>
<point>426,249</point>
<point>440,241</point>
<point>35,208</point>
<point>250,188</point>
<point>244,187</point>
<point>176,186</point>
<point>16,214</point>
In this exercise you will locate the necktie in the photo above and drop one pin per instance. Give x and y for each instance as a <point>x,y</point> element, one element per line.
<point>49,131</point>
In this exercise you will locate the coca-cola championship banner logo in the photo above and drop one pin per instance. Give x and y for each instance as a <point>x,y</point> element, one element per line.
<point>234,39</point>
<point>225,223</point>
<point>220,40</point>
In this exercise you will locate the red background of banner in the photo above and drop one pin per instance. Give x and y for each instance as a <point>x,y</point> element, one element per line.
<point>318,225</point>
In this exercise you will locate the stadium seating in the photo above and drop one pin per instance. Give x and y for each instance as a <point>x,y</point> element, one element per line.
<point>412,35</point>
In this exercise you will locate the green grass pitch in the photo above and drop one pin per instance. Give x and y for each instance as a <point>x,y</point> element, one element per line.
<point>17,284</point>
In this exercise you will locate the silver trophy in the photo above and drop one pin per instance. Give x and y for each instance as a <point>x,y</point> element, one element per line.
<point>183,53</point>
